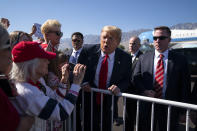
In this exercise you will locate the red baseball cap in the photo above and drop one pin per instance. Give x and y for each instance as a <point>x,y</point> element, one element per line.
<point>28,50</point>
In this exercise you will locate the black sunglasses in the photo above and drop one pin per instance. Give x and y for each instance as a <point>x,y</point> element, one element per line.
<point>75,40</point>
<point>134,43</point>
<point>160,37</point>
<point>58,33</point>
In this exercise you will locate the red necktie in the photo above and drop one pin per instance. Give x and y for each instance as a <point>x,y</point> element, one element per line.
<point>102,78</point>
<point>159,76</point>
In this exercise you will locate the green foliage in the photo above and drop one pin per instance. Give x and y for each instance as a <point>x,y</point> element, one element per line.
<point>121,47</point>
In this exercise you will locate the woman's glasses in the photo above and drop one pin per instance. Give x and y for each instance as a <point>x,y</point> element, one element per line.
<point>58,33</point>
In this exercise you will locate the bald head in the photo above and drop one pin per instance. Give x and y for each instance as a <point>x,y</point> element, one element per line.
<point>134,44</point>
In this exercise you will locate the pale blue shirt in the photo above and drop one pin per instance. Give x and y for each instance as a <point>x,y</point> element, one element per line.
<point>73,54</point>
<point>110,68</point>
<point>134,55</point>
<point>165,60</point>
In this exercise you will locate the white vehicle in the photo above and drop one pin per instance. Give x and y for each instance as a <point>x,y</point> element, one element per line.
<point>178,36</point>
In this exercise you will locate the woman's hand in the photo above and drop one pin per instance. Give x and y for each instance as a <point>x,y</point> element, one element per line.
<point>86,87</point>
<point>33,30</point>
<point>65,73</point>
<point>78,73</point>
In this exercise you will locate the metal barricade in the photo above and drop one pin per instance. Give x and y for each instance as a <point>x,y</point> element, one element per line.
<point>139,98</point>
<point>70,123</point>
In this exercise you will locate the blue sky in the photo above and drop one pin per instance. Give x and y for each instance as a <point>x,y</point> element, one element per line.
<point>89,16</point>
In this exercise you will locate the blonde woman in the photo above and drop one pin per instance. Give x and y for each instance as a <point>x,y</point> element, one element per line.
<point>51,30</point>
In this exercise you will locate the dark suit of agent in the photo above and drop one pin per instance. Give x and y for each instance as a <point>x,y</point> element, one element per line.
<point>174,82</point>
<point>118,75</point>
<point>134,46</point>
<point>77,43</point>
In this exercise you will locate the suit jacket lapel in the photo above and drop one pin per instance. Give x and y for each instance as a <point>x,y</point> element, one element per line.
<point>116,67</point>
<point>170,67</point>
<point>151,65</point>
<point>94,62</point>
<point>69,53</point>
<point>136,59</point>
<point>149,62</point>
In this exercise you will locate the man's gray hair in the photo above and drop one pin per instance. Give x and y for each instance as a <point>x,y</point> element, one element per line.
<point>23,71</point>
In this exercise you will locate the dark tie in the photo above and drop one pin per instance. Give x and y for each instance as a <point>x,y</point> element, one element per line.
<point>74,60</point>
<point>102,78</point>
<point>159,76</point>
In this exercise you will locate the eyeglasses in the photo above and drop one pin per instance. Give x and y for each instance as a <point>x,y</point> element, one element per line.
<point>134,43</point>
<point>75,40</point>
<point>160,37</point>
<point>58,33</point>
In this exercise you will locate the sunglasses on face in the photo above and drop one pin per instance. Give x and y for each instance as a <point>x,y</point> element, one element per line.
<point>75,40</point>
<point>134,43</point>
<point>58,33</point>
<point>160,37</point>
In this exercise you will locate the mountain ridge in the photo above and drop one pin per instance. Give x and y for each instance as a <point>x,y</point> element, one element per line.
<point>95,39</point>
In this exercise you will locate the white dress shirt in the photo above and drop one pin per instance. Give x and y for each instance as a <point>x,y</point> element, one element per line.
<point>73,55</point>
<point>110,61</point>
<point>165,60</point>
<point>134,55</point>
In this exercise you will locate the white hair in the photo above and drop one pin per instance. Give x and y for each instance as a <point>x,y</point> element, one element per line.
<point>23,71</point>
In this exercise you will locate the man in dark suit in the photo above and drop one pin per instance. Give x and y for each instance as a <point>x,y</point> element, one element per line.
<point>115,78</point>
<point>161,74</point>
<point>134,46</point>
<point>77,43</point>
<point>74,53</point>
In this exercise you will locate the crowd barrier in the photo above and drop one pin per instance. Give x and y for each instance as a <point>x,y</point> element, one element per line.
<point>70,123</point>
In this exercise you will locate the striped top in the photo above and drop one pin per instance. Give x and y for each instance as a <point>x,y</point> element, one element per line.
<point>33,102</point>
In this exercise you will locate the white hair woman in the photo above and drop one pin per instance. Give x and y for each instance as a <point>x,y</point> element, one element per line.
<point>35,98</point>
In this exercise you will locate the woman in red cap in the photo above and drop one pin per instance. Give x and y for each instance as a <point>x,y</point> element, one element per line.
<point>35,98</point>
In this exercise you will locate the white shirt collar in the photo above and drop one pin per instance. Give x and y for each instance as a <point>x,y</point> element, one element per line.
<point>77,50</point>
<point>135,54</point>
<point>165,53</point>
<point>111,56</point>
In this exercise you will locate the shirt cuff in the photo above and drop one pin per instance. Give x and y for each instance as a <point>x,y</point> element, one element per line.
<point>75,87</point>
